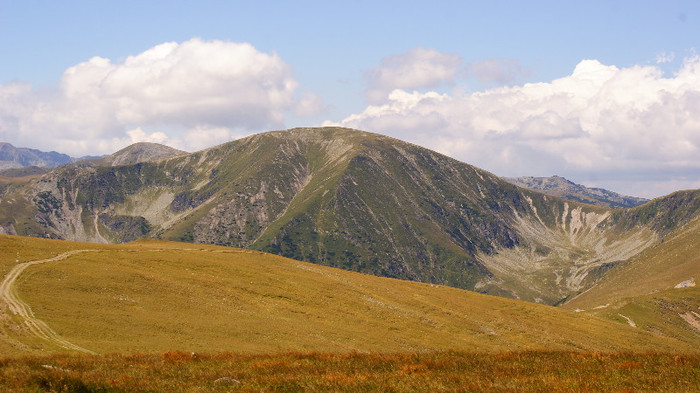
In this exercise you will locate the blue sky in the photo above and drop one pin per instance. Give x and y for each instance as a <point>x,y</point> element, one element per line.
<point>474,80</point>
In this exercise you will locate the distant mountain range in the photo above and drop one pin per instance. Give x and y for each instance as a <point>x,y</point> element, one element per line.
<point>133,154</point>
<point>563,188</point>
<point>348,199</point>
<point>18,157</point>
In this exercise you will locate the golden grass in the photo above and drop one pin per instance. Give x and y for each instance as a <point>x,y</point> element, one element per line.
<point>158,296</point>
<point>327,372</point>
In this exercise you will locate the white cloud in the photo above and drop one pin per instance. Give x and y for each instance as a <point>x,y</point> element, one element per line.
<point>415,69</point>
<point>139,135</point>
<point>665,57</point>
<point>598,120</point>
<point>497,71</point>
<point>202,85</point>
<point>202,137</point>
<point>309,104</point>
<point>225,83</point>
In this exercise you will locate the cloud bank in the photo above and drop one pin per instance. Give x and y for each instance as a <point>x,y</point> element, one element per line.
<point>598,125</point>
<point>202,92</point>
<point>634,130</point>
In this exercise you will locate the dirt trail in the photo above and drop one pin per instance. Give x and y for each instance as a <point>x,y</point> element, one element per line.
<point>39,328</point>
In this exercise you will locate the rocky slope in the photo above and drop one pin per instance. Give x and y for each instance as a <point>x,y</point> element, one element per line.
<point>348,199</point>
<point>562,188</point>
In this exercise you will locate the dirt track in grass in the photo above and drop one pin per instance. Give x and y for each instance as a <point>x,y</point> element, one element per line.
<point>16,306</point>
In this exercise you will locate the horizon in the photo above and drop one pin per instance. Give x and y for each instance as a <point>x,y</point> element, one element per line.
<point>603,94</point>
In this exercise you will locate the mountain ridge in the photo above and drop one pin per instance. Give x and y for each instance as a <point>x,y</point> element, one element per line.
<point>17,157</point>
<point>133,154</point>
<point>564,188</point>
<point>349,199</point>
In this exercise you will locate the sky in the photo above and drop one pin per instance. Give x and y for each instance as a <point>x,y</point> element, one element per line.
<point>604,93</point>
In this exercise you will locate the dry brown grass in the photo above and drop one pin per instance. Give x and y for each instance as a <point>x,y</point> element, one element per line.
<point>297,371</point>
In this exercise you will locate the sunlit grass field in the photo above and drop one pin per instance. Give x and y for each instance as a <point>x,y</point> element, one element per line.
<point>166,316</point>
<point>152,296</point>
<point>324,372</point>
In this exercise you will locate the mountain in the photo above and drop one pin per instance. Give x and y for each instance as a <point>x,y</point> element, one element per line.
<point>655,290</point>
<point>17,157</point>
<point>18,162</point>
<point>354,200</point>
<point>560,187</point>
<point>133,154</point>
<point>155,296</point>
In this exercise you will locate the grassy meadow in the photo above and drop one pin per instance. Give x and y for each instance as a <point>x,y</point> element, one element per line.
<point>259,322</point>
<point>326,372</point>
<point>158,296</point>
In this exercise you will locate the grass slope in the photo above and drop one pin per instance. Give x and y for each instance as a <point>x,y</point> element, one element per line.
<point>644,290</point>
<point>356,372</point>
<point>156,296</point>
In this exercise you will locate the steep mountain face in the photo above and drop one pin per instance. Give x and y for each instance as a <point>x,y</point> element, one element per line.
<point>17,157</point>
<point>562,188</point>
<point>346,199</point>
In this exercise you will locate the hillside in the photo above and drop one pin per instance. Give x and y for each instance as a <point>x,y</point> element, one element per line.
<point>348,199</point>
<point>153,296</point>
<point>656,290</point>
<point>559,187</point>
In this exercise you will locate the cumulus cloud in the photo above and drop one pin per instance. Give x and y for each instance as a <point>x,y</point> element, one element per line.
<point>414,69</point>
<point>599,120</point>
<point>204,136</point>
<point>496,71</point>
<point>309,104</point>
<point>194,85</point>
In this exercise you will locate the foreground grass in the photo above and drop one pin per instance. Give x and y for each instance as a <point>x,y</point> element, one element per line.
<point>296,371</point>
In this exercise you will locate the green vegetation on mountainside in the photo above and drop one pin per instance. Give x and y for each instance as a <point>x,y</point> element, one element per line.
<point>349,199</point>
<point>663,215</point>
<point>157,296</point>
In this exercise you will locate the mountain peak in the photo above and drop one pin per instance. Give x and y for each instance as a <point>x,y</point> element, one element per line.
<point>142,152</point>
<point>343,198</point>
